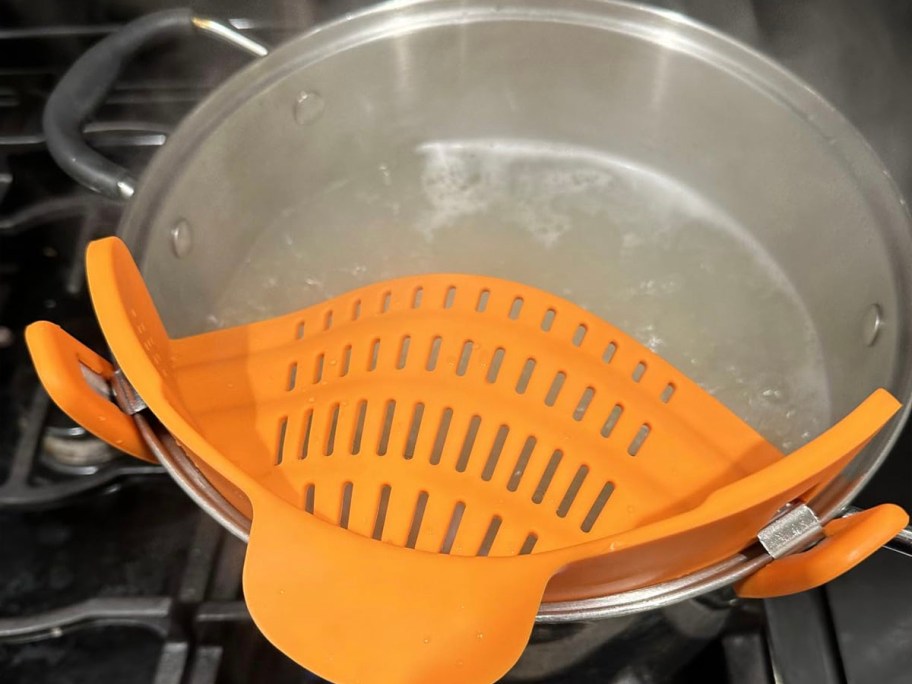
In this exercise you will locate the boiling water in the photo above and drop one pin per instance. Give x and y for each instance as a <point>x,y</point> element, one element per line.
<point>633,247</point>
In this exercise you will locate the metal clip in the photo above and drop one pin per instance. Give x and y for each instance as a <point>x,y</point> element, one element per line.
<point>794,530</point>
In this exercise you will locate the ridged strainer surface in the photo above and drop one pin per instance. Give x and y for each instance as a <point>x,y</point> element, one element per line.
<point>459,414</point>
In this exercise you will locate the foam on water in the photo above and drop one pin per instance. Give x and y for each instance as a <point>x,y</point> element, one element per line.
<point>631,245</point>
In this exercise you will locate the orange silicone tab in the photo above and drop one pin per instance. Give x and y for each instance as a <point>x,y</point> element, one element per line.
<point>59,360</point>
<point>848,541</point>
<point>422,455</point>
<point>363,613</point>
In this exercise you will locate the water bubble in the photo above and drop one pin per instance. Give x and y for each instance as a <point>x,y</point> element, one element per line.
<point>385,175</point>
<point>773,395</point>
<point>181,239</point>
<point>308,107</point>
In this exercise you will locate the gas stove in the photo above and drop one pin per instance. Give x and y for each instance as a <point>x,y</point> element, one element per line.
<point>109,573</point>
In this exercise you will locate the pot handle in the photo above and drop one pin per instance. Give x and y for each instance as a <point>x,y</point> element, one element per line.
<point>89,80</point>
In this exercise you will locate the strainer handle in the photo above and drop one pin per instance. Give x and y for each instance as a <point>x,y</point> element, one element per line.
<point>78,380</point>
<point>847,542</point>
<point>901,543</point>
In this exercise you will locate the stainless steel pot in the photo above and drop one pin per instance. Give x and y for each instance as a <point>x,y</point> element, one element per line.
<point>644,85</point>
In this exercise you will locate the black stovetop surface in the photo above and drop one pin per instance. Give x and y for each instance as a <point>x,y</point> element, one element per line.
<point>109,573</point>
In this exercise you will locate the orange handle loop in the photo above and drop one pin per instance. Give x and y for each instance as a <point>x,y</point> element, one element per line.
<point>59,360</point>
<point>848,541</point>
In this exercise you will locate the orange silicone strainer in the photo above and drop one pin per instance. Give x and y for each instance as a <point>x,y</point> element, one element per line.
<point>422,457</point>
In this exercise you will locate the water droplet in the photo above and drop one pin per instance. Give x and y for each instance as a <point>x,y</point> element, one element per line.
<point>479,635</point>
<point>333,362</point>
<point>426,640</point>
<point>310,400</point>
<point>308,107</point>
<point>181,239</point>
